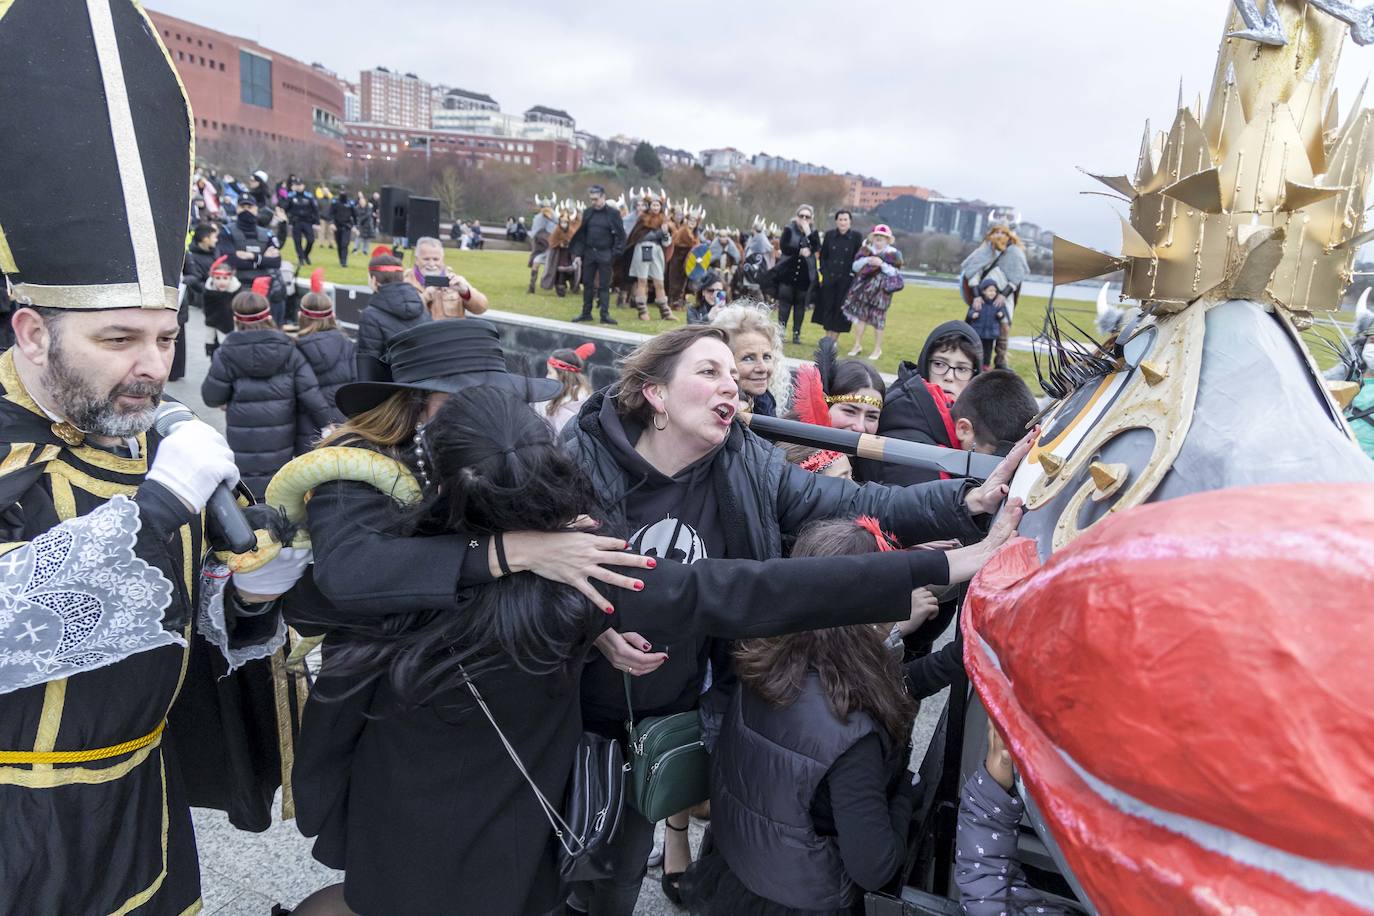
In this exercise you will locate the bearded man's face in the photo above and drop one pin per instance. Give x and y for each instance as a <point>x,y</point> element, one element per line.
<point>105,370</point>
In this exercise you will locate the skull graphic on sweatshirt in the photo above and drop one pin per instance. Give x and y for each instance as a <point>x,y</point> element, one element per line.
<point>669,539</point>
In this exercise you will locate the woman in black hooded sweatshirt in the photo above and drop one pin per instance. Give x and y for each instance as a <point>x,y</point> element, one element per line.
<point>418,798</point>
<point>683,481</point>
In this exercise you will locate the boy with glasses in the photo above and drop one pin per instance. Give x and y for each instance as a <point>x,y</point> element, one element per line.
<point>918,407</point>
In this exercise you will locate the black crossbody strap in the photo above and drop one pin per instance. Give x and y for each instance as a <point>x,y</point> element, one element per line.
<point>560,826</point>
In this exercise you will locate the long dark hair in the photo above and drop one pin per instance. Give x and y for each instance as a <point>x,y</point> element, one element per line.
<point>497,469</point>
<point>858,672</point>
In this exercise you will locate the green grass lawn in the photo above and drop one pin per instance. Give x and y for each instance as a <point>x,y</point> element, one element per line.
<point>503,276</point>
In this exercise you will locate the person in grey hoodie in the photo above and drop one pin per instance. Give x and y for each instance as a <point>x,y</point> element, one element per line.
<point>394,307</point>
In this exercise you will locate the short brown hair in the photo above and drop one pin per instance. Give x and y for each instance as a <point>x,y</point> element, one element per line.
<point>385,276</point>
<point>653,363</point>
<point>998,405</point>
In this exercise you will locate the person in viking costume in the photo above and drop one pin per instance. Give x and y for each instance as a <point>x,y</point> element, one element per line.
<point>646,254</point>
<point>684,240</point>
<point>560,273</point>
<point>106,598</point>
<point>545,222</point>
<point>1000,258</point>
<point>1198,733</point>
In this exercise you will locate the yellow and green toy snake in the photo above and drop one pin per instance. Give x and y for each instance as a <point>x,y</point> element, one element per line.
<point>291,487</point>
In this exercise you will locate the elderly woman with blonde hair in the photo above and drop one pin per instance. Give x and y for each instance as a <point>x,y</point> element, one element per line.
<point>756,342</point>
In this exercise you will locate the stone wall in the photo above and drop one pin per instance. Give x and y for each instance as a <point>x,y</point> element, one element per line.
<point>527,340</point>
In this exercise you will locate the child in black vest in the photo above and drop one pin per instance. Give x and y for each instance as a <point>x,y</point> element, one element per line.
<point>824,713</point>
<point>263,382</point>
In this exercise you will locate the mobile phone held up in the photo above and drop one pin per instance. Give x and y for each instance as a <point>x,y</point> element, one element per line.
<point>440,280</point>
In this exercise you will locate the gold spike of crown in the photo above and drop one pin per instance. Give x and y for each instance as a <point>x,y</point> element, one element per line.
<point>1264,198</point>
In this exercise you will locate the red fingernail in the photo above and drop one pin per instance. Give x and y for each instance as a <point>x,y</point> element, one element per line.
<point>609,609</point>
<point>627,546</point>
<point>653,564</point>
<point>639,586</point>
<point>647,647</point>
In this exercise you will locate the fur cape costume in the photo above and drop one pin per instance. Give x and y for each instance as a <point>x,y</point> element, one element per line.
<point>647,222</point>
<point>558,265</point>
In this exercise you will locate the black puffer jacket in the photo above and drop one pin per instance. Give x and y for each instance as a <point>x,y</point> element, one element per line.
<point>196,271</point>
<point>394,308</point>
<point>331,357</point>
<point>910,413</point>
<point>266,382</point>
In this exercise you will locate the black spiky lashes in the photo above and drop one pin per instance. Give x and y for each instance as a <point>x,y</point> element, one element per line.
<point>1069,363</point>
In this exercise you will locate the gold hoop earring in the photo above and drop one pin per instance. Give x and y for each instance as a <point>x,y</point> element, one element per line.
<point>664,415</point>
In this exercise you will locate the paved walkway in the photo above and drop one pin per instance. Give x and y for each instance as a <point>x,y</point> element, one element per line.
<point>244,874</point>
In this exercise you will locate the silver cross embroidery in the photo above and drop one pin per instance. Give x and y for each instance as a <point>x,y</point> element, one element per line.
<point>32,632</point>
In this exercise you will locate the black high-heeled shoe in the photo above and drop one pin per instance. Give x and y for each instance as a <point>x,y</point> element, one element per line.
<point>671,882</point>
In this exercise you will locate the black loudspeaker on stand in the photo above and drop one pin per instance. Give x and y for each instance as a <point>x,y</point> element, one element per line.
<point>422,218</point>
<point>395,210</point>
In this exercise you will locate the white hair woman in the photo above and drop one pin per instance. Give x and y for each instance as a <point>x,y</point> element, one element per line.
<point>757,345</point>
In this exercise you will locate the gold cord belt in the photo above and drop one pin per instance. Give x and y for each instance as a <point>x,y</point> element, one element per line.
<point>100,753</point>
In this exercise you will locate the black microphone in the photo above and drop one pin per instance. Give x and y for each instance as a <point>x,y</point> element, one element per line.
<point>223,508</point>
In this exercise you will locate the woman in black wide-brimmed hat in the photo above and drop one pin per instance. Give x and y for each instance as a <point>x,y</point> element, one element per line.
<point>370,564</point>
<point>409,787</point>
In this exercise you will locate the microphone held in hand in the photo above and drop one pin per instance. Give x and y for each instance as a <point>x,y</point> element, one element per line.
<point>223,509</point>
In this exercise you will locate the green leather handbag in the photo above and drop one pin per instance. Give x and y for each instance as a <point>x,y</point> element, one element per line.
<point>668,767</point>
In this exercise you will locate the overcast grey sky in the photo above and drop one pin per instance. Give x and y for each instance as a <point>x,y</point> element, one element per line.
<point>995,99</point>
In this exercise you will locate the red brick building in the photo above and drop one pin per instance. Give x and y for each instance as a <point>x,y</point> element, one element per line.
<point>866,194</point>
<point>378,142</point>
<point>238,87</point>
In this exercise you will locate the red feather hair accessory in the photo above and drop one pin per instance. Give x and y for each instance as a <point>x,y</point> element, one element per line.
<point>262,286</point>
<point>220,266</point>
<point>885,540</point>
<point>317,280</point>
<point>585,351</point>
<point>809,399</point>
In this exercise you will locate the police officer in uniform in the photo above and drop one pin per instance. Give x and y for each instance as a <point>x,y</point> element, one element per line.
<point>304,215</point>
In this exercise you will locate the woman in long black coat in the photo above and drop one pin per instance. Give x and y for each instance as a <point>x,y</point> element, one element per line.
<point>838,250</point>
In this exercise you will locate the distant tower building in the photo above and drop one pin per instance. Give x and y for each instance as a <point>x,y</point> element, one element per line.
<point>395,99</point>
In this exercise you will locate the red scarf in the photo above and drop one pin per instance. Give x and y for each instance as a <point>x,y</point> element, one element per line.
<point>943,403</point>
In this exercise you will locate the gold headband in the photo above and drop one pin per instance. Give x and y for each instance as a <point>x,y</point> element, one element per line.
<point>865,399</point>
